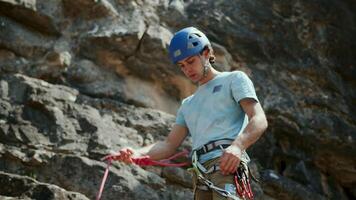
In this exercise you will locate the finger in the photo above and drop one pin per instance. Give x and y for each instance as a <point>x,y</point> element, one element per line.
<point>222,167</point>
<point>230,164</point>
<point>223,161</point>
<point>123,154</point>
<point>127,161</point>
<point>232,168</point>
<point>106,158</point>
<point>129,151</point>
<point>223,164</point>
<point>110,156</point>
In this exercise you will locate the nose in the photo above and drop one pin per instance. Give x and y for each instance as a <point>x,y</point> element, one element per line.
<point>187,68</point>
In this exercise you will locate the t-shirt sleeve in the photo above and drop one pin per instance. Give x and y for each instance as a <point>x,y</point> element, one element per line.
<point>180,118</point>
<point>242,87</point>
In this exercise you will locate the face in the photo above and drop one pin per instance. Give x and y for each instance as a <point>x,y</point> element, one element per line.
<point>192,67</point>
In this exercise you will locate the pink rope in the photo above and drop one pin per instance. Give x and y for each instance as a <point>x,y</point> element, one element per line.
<point>98,196</point>
<point>143,161</point>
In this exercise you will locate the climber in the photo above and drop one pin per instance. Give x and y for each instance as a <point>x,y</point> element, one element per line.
<point>224,117</point>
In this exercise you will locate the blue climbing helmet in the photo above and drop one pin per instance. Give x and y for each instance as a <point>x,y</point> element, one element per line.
<point>187,42</point>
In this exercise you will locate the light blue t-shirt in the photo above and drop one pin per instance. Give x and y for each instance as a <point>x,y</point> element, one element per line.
<point>213,112</point>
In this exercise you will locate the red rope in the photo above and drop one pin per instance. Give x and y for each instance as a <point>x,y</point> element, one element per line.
<point>143,161</point>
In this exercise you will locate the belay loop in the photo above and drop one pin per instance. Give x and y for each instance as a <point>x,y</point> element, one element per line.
<point>143,161</point>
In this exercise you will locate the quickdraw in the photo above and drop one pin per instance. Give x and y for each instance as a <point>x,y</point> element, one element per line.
<point>142,161</point>
<point>242,182</point>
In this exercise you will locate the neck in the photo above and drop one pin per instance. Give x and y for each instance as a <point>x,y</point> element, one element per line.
<point>210,75</point>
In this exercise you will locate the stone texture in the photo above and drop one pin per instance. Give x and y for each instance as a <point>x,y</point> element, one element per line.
<point>23,187</point>
<point>105,72</point>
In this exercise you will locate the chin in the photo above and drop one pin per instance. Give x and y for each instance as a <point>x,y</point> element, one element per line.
<point>195,80</point>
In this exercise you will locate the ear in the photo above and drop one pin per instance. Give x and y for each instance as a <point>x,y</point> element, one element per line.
<point>206,53</point>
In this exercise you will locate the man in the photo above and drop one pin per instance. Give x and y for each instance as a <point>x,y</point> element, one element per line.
<point>223,116</point>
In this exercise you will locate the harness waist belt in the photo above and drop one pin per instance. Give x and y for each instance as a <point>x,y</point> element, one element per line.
<point>213,145</point>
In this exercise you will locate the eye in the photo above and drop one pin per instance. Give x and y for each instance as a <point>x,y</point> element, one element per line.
<point>191,61</point>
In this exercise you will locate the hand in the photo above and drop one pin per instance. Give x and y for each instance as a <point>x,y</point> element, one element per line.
<point>124,155</point>
<point>230,160</point>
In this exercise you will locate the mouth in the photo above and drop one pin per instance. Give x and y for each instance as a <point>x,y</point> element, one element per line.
<point>192,76</point>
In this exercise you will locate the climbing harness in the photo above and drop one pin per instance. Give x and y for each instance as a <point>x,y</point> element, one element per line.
<point>204,180</point>
<point>214,145</point>
<point>142,161</point>
<point>241,178</point>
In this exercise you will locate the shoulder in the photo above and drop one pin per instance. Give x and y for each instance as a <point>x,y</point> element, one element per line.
<point>238,74</point>
<point>187,99</point>
<point>226,75</point>
<point>184,104</point>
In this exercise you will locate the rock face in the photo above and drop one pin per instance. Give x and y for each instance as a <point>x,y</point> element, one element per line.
<point>57,136</point>
<point>28,188</point>
<point>79,79</point>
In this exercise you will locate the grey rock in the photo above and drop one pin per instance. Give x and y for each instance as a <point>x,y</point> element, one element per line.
<point>23,187</point>
<point>280,187</point>
<point>12,37</point>
<point>94,81</point>
<point>88,9</point>
<point>35,14</point>
<point>178,176</point>
<point>298,53</point>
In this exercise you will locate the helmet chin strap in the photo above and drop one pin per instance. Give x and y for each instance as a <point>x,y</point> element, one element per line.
<point>206,67</point>
<point>205,70</point>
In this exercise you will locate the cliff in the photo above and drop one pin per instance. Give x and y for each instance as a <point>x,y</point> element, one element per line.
<point>79,79</point>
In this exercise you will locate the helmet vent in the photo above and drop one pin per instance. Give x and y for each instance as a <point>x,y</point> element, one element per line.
<point>197,34</point>
<point>195,44</point>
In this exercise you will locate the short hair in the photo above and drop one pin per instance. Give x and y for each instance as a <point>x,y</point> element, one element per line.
<point>212,57</point>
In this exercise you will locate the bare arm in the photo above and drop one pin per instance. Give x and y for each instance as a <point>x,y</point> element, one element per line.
<point>166,148</point>
<point>156,151</point>
<point>256,126</point>
<point>253,131</point>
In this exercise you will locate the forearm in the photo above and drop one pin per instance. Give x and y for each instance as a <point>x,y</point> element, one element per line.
<point>159,150</point>
<point>252,132</point>
<point>166,148</point>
